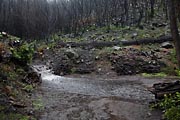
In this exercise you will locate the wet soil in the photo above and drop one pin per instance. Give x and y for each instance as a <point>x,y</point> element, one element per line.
<point>85,98</point>
<point>67,92</point>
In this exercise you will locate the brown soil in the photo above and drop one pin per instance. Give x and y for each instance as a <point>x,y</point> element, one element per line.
<point>99,95</point>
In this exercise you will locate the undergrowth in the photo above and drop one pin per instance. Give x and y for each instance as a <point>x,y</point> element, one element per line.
<point>171,106</point>
<point>15,57</point>
<point>23,53</point>
<point>161,74</point>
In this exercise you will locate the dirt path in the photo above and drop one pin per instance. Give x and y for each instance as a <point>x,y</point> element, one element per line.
<point>124,98</point>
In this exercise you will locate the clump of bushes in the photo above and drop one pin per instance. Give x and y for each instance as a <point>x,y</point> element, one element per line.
<point>23,53</point>
<point>171,106</point>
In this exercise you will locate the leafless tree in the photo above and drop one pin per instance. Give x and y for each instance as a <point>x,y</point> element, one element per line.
<point>40,18</point>
<point>174,27</point>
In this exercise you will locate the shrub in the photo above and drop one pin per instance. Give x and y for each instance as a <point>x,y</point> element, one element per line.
<point>23,53</point>
<point>173,113</point>
<point>171,105</point>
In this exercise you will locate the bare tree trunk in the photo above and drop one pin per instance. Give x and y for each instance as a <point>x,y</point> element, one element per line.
<point>152,3</point>
<point>174,28</point>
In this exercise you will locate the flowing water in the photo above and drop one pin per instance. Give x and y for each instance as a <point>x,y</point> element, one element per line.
<point>125,98</point>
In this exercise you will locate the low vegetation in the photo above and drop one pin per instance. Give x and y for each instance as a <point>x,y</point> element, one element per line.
<point>23,53</point>
<point>171,106</point>
<point>155,75</point>
<point>15,87</point>
<point>63,21</point>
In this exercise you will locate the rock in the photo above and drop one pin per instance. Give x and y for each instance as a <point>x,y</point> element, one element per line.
<point>63,66</point>
<point>116,48</point>
<point>14,43</point>
<point>4,34</point>
<point>71,53</point>
<point>70,35</point>
<point>161,89</point>
<point>124,40</point>
<point>84,70</point>
<point>134,35</point>
<point>167,45</point>
<point>134,62</point>
<point>97,58</point>
<point>149,68</point>
<point>74,61</point>
<point>32,77</point>
<point>157,50</point>
<point>159,24</point>
<point>7,56</point>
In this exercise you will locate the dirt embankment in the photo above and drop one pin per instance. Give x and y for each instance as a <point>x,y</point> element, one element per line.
<point>89,83</point>
<point>130,60</point>
<point>17,81</point>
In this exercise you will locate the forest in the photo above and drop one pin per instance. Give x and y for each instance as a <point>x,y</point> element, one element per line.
<point>40,18</point>
<point>89,60</point>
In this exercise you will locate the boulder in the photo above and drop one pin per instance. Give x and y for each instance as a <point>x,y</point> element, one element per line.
<point>63,65</point>
<point>167,45</point>
<point>32,77</point>
<point>116,48</point>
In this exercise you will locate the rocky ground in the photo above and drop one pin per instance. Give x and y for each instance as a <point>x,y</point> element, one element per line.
<point>84,83</point>
<point>129,60</point>
<point>102,84</point>
<point>95,98</point>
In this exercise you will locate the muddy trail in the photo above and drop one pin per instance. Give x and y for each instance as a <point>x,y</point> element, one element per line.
<point>124,98</point>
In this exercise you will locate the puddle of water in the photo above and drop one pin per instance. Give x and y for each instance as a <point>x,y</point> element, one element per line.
<point>93,87</point>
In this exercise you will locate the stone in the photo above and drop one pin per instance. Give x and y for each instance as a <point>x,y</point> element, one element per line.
<point>134,63</point>
<point>4,34</point>
<point>124,40</point>
<point>74,61</point>
<point>71,53</point>
<point>97,58</point>
<point>167,45</point>
<point>116,48</point>
<point>134,35</point>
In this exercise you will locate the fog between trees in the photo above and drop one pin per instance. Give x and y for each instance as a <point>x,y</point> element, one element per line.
<point>40,18</point>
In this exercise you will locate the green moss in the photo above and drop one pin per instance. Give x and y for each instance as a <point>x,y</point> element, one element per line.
<point>177,72</point>
<point>73,70</point>
<point>169,70</point>
<point>13,38</point>
<point>154,75</point>
<point>20,71</point>
<point>38,105</point>
<point>54,37</point>
<point>13,75</point>
<point>28,88</point>
<point>170,105</point>
<point>173,113</point>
